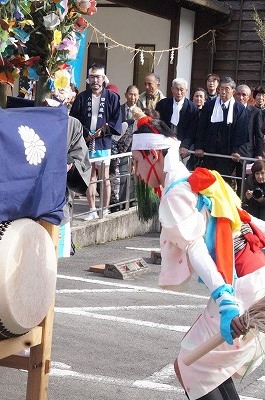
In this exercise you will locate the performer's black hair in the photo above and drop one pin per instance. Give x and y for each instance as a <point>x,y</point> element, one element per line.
<point>161,127</point>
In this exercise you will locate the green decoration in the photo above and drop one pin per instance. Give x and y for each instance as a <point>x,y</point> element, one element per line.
<point>40,38</point>
<point>147,201</point>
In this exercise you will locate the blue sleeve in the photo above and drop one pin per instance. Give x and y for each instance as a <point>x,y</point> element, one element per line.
<point>115,117</point>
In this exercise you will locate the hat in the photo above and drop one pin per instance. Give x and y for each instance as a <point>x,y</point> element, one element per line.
<point>113,88</point>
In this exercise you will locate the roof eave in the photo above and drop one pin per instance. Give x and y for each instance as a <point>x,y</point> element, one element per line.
<point>214,5</point>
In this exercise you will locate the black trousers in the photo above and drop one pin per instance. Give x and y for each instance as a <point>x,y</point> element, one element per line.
<point>225,166</point>
<point>226,391</point>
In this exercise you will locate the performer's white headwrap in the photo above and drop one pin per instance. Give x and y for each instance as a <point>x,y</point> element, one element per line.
<point>155,141</point>
<point>218,115</point>
<point>173,167</point>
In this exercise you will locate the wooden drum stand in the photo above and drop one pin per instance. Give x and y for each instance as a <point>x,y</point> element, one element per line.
<point>39,340</point>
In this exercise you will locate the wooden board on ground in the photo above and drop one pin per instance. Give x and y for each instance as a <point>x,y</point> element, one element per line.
<point>100,268</point>
<point>125,269</point>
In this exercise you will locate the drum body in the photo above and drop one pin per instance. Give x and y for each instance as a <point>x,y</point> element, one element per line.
<point>28,269</point>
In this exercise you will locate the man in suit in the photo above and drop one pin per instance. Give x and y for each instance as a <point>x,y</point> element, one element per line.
<point>132,97</point>
<point>180,114</point>
<point>222,129</point>
<point>152,94</point>
<point>253,148</point>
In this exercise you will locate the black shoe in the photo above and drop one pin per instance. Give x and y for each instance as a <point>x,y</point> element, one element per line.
<point>115,209</point>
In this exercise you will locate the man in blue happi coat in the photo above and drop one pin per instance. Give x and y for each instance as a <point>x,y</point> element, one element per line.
<point>98,109</point>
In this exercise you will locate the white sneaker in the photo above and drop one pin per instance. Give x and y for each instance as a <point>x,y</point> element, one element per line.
<point>106,212</point>
<point>92,215</point>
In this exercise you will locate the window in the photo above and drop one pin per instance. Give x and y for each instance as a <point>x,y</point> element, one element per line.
<point>140,70</point>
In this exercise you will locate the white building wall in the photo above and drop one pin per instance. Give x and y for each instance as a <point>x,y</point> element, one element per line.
<point>129,27</point>
<point>186,35</point>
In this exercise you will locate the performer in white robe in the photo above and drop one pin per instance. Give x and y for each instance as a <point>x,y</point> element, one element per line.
<point>233,288</point>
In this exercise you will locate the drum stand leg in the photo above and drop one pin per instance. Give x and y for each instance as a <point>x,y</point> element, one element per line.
<point>40,356</point>
<point>40,362</point>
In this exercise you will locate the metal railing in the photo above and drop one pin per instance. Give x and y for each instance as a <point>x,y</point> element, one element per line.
<point>243,160</point>
<point>127,176</point>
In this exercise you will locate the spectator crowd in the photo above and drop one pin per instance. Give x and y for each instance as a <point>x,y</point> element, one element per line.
<point>217,125</point>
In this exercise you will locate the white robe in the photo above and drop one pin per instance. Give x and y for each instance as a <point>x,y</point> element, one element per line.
<point>183,251</point>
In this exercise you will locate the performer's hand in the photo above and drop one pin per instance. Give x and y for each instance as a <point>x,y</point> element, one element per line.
<point>199,153</point>
<point>228,313</point>
<point>228,310</point>
<point>237,327</point>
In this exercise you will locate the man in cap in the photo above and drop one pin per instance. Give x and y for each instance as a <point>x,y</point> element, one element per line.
<point>98,109</point>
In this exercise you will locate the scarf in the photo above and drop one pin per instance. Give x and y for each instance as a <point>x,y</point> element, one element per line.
<point>218,115</point>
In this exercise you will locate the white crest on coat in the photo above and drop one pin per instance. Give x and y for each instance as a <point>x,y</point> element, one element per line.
<point>34,147</point>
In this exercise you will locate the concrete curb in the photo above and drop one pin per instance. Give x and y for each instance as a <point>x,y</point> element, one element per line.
<point>119,225</point>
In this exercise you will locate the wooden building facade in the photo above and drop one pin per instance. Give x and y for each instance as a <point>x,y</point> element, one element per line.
<point>235,49</point>
<point>232,48</point>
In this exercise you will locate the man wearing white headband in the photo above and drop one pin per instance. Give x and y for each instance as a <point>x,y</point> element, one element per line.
<point>98,109</point>
<point>204,230</point>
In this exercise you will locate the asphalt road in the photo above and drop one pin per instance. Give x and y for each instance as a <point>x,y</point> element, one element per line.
<point>117,339</point>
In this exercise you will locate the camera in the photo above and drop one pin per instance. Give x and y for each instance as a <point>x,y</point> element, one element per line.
<point>257,193</point>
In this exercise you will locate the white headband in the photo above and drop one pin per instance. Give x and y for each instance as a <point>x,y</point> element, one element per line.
<point>153,141</point>
<point>96,71</point>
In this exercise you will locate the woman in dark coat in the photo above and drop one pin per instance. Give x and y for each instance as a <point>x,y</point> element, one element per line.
<point>254,200</point>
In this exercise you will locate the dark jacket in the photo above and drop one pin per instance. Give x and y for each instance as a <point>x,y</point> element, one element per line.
<point>254,207</point>
<point>220,137</point>
<point>188,119</point>
<point>109,112</point>
<point>123,116</point>
<point>254,145</point>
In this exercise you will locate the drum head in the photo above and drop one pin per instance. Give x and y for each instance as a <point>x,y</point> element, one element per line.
<point>28,268</point>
